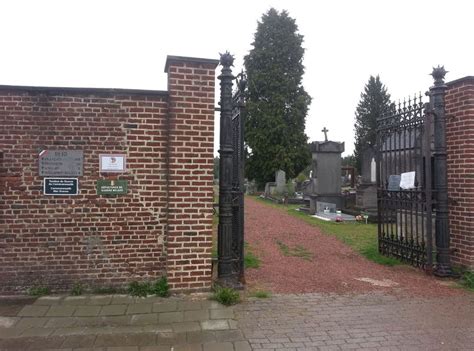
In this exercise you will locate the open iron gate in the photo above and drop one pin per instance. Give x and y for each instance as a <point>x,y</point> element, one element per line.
<point>412,181</point>
<point>405,215</point>
<point>230,239</point>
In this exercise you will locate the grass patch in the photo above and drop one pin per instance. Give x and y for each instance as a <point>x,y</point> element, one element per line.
<point>39,291</point>
<point>250,259</point>
<point>226,296</point>
<point>159,288</point>
<point>467,280</point>
<point>261,294</point>
<point>359,236</point>
<point>297,251</point>
<point>77,289</point>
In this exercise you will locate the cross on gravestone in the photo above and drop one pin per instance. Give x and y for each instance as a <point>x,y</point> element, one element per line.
<point>325,131</point>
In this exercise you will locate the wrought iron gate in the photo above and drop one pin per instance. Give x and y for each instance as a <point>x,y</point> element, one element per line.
<point>412,181</point>
<point>231,178</point>
<point>405,215</point>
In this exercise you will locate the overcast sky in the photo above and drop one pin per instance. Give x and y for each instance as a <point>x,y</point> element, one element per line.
<point>123,44</point>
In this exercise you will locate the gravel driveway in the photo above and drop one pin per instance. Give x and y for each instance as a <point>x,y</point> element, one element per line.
<point>333,268</point>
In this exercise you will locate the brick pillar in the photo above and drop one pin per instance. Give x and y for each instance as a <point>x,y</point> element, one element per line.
<point>460,151</point>
<point>191,87</point>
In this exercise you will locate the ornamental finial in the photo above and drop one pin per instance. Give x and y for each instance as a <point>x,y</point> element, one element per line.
<point>227,59</point>
<point>438,75</point>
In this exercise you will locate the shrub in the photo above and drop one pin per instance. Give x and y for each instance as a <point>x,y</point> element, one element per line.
<point>139,289</point>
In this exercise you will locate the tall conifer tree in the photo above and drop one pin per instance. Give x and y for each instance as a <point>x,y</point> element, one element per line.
<point>276,100</point>
<point>374,100</point>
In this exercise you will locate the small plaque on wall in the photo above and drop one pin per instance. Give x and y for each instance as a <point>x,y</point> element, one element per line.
<point>60,186</point>
<point>61,163</point>
<point>112,163</point>
<point>112,187</point>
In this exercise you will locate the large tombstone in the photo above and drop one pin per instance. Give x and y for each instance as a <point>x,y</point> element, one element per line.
<point>324,190</point>
<point>278,187</point>
<point>366,198</point>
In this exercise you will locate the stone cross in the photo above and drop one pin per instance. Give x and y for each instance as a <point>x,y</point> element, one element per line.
<point>325,131</point>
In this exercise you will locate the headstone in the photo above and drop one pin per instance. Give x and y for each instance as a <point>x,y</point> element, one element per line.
<point>325,185</point>
<point>280,180</point>
<point>366,195</point>
<point>394,182</point>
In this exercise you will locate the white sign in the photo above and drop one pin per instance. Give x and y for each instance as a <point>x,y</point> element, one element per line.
<point>407,180</point>
<point>112,163</point>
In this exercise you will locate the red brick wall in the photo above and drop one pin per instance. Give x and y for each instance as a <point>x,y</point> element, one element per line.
<point>191,111</point>
<point>162,226</point>
<point>460,148</point>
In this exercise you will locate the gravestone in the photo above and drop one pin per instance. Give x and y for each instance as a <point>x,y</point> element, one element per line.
<point>280,180</point>
<point>325,185</point>
<point>366,198</point>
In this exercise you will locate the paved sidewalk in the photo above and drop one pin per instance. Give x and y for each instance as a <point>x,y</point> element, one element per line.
<point>358,322</point>
<point>120,322</point>
<point>301,322</point>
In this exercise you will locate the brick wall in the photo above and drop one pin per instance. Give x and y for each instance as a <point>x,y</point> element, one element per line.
<point>163,226</point>
<point>460,152</point>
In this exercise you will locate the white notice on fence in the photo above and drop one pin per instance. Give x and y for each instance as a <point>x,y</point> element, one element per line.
<point>407,180</point>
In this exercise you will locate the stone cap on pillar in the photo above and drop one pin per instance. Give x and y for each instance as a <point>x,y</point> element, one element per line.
<point>327,147</point>
<point>170,59</point>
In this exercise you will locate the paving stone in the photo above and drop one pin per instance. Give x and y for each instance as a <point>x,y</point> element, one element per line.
<point>222,313</point>
<point>61,311</point>
<point>139,308</point>
<point>7,333</point>
<point>188,347</point>
<point>138,339</point>
<point>144,319</point>
<point>122,299</point>
<point>100,300</point>
<point>48,300</point>
<point>61,322</point>
<point>37,332</point>
<point>123,348</point>
<point>33,311</point>
<point>32,343</point>
<point>209,304</point>
<point>90,321</point>
<point>77,341</point>
<point>168,306</point>
<point>113,310</point>
<point>218,346</point>
<point>186,327</point>
<point>170,317</point>
<point>69,331</point>
<point>195,316</point>
<point>189,305</point>
<point>157,328</point>
<point>116,320</point>
<point>171,339</point>
<point>28,322</point>
<point>87,311</point>
<point>242,346</point>
<point>75,300</point>
<point>8,322</point>
<point>215,324</point>
<point>229,335</point>
<point>200,337</point>
<point>155,348</point>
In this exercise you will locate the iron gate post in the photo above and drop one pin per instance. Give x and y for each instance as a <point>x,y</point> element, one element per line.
<point>437,93</point>
<point>225,271</point>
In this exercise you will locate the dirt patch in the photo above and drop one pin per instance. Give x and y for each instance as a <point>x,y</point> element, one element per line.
<point>333,267</point>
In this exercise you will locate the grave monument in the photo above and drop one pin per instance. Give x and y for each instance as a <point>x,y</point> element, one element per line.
<point>324,188</point>
<point>366,198</point>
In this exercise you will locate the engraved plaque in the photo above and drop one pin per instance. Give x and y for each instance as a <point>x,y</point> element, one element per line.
<point>394,183</point>
<point>61,163</point>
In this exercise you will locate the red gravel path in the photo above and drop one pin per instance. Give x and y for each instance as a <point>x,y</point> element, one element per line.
<point>334,267</point>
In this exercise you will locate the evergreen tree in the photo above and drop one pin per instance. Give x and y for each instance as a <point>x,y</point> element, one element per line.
<point>276,100</point>
<point>374,100</point>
